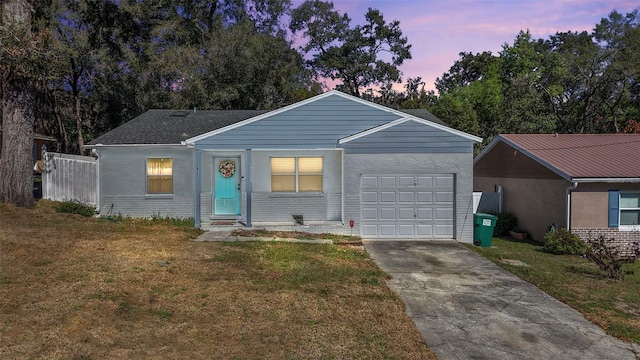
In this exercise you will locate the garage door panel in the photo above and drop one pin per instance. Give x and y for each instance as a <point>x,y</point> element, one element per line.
<point>444,214</point>
<point>424,230</point>
<point>424,181</point>
<point>370,197</point>
<point>387,229</point>
<point>388,182</point>
<point>405,197</point>
<point>369,213</point>
<point>406,213</point>
<point>424,214</point>
<point>444,230</point>
<point>405,181</point>
<point>369,181</point>
<point>387,196</point>
<point>388,214</point>
<point>423,197</point>
<point>444,181</point>
<point>406,230</point>
<point>370,230</point>
<point>444,196</point>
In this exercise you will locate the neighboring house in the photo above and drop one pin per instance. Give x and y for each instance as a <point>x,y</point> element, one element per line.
<point>589,183</point>
<point>38,141</point>
<point>330,159</point>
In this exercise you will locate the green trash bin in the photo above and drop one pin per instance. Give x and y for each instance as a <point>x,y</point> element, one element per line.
<point>483,225</point>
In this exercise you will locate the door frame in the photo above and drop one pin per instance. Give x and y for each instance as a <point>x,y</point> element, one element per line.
<point>238,173</point>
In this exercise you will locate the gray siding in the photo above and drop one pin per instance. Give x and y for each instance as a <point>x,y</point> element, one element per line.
<point>409,137</point>
<point>123,182</point>
<point>458,164</point>
<point>319,124</point>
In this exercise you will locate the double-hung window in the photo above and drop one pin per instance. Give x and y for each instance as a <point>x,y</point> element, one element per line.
<point>159,176</point>
<point>296,174</point>
<point>629,208</point>
<point>624,209</point>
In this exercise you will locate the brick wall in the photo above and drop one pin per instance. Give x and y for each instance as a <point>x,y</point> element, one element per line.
<point>624,241</point>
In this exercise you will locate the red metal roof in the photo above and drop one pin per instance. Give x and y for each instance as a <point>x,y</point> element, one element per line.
<point>582,155</point>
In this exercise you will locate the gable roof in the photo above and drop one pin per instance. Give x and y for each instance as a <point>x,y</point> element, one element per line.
<point>579,156</point>
<point>172,126</point>
<point>377,115</point>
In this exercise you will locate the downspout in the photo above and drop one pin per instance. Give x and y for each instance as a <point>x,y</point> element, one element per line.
<point>568,190</point>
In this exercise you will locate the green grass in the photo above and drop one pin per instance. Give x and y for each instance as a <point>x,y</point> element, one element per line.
<point>307,267</point>
<point>614,305</point>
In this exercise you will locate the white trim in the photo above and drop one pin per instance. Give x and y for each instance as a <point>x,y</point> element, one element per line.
<point>287,149</point>
<point>322,96</point>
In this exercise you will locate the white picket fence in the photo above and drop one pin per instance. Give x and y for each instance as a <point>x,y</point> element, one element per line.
<point>68,177</point>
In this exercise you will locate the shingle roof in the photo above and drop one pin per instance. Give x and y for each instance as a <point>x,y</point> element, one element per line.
<point>582,155</point>
<point>174,126</point>
<point>423,114</point>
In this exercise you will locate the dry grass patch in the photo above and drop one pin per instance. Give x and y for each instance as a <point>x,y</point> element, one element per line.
<point>85,288</point>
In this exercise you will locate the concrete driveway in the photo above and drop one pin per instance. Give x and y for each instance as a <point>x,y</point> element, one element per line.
<point>466,307</point>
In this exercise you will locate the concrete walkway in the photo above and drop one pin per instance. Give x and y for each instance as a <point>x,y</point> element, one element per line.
<point>466,307</point>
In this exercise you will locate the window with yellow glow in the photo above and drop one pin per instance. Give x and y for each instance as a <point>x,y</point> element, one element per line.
<point>160,176</point>
<point>291,174</point>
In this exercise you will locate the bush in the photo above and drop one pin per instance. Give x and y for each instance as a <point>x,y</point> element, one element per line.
<point>562,241</point>
<point>506,221</point>
<point>605,255</point>
<point>75,207</point>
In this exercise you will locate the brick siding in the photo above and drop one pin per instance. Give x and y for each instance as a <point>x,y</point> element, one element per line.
<point>624,241</point>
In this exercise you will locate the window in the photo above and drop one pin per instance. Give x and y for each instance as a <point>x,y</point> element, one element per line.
<point>160,176</point>
<point>303,174</point>
<point>629,208</point>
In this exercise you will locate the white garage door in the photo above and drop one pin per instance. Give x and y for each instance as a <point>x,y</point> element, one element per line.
<point>407,206</point>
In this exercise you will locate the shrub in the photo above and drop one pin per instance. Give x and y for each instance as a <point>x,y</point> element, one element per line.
<point>75,207</point>
<point>506,221</point>
<point>562,241</point>
<point>606,256</point>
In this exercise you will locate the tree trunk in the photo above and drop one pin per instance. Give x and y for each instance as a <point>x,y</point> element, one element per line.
<point>78,116</point>
<point>18,116</point>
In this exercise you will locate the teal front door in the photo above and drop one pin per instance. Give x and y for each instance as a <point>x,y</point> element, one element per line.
<point>226,186</point>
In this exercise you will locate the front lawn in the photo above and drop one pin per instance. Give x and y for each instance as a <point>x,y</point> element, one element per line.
<point>613,305</point>
<point>84,288</point>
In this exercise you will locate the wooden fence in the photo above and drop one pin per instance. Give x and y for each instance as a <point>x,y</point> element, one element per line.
<point>68,177</point>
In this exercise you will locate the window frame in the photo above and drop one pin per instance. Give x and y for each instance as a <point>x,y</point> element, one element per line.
<point>628,227</point>
<point>296,174</point>
<point>148,176</point>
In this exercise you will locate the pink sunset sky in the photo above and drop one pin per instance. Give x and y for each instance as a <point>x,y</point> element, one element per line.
<point>439,30</point>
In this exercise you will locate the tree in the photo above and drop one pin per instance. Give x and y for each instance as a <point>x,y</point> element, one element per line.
<point>21,53</point>
<point>358,56</point>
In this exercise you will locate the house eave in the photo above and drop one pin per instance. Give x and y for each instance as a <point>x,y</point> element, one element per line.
<point>607,180</point>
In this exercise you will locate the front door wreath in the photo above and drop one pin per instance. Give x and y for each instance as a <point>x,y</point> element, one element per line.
<point>227,168</point>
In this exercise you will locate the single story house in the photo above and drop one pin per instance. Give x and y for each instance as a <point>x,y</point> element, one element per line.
<point>588,183</point>
<point>332,159</point>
